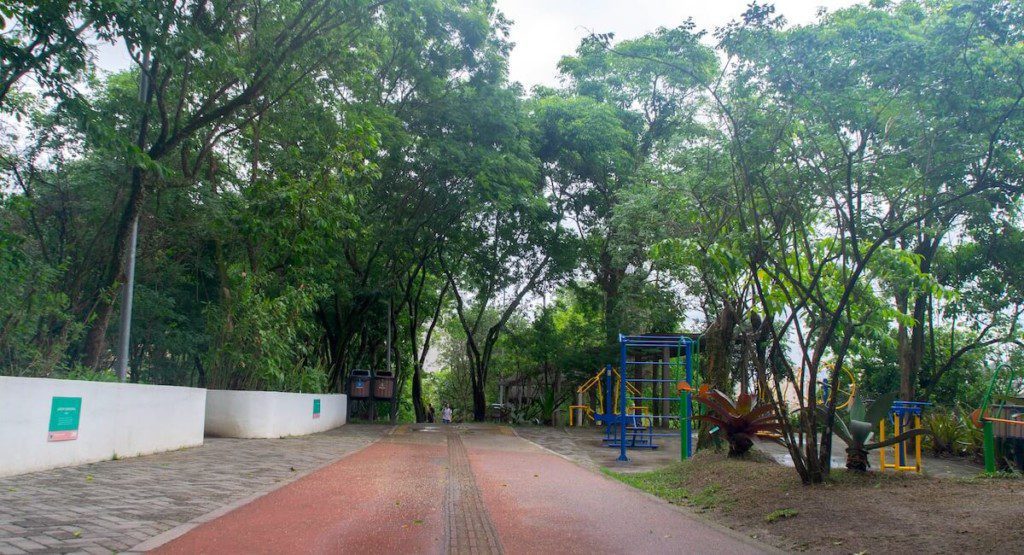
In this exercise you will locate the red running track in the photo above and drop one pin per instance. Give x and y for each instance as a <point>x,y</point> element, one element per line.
<point>384,499</point>
<point>389,498</point>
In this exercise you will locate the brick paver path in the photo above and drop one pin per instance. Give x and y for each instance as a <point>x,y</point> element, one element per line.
<point>115,505</point>
<point>468,526</point>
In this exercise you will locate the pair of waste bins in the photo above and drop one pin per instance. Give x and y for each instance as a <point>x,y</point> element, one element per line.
<point>362,384</point>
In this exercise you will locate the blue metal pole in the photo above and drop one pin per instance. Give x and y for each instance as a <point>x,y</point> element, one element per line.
<point>608,402</point>
<point>622,399</point>
<point>687,401</point>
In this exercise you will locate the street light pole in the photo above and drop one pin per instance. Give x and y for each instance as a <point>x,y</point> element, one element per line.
<point>124,332</point>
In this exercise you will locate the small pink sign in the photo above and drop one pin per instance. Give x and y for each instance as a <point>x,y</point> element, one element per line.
<point>69,435</point>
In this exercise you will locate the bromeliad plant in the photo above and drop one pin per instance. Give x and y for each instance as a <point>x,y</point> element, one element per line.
<point>741,421</point>
<point>861,427</point>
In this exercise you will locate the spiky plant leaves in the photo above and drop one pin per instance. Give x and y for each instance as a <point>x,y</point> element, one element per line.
<point>741,420</point>
<point>843,431</point>
<point>857,409</point>
<point>860,432</point>
<point>880,408</point>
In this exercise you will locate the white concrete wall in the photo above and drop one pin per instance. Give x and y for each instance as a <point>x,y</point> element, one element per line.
<point>123,420</point>
<point>264,414</point>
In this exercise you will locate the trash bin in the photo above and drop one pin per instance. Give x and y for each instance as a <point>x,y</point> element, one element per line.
<point>383,385</point>
<point>359,384</point>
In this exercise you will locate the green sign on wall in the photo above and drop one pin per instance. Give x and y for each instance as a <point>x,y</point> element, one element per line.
<point>316,408</point>
<point>64,415</point>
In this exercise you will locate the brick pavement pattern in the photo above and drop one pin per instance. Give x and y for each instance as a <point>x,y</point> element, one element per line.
<point>113,506</point>
<point>468,525</point>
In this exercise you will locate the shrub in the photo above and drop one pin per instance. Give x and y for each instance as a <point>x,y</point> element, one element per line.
<point>741,421</point>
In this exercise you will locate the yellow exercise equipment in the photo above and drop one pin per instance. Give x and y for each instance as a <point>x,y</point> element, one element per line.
<point>586,411</point>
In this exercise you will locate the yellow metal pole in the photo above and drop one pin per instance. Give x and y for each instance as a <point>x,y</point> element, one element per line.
<point>917,442</point>
<point>897,429</point>
<point>881,437</point>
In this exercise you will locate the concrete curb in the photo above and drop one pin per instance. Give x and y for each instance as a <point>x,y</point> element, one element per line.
<point>182,529</point>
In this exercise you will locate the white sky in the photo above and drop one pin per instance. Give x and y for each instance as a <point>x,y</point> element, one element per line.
<point>545,30</point>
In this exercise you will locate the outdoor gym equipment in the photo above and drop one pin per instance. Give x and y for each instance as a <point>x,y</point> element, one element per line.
<point>845,390</point>
<point>632,426</point>
<point>905,416</point>
<point>1005,421</point>
<point>602,393</point>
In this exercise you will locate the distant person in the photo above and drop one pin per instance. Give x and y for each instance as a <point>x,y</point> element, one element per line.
<point>430,414</point>
<point>446,414</point>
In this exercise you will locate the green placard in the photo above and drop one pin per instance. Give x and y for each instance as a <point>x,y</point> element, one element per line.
<point>65,413</point>
<point>316,408</point>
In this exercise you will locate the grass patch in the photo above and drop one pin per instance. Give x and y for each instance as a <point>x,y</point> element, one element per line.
<point>983,477</point>
<point>708,498</point>
<point>780,514</point>
<point>664,483</point>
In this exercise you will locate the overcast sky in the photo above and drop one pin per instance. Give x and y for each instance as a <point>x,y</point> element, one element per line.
<point>545,30</point>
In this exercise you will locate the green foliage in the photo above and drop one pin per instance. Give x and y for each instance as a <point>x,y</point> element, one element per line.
<point>263,339</point>
<point>339,184</point>
<point>741,420</point>
<point>35,327</point>
<point>779,514</point>
<point>948,434</point>
<point>664,484</point>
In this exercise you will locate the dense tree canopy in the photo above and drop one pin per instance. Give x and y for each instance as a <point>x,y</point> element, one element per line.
<point>327,185</point>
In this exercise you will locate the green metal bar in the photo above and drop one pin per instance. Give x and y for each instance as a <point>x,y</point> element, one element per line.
<point>988,392</point>
<point>688,402</point>
<point>682,405</point>
<point>989,443</point>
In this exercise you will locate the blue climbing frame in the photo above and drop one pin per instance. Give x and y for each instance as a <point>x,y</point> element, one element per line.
<point>683,347</point>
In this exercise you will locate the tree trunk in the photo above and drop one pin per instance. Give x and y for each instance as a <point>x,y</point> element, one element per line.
<point>857,459</point>
<point>910,344</point>
<point>417,392</point>
<point>610,279</point>
<point>96,338</point>
<point>716,360</point>
<point>479,400</point>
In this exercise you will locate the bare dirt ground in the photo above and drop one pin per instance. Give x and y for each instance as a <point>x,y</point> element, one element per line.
<point>950,510</point>
<point>872,513</point>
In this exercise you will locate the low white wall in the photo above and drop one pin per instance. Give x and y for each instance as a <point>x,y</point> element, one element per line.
<point>122,420</point>
<point>267,414</point>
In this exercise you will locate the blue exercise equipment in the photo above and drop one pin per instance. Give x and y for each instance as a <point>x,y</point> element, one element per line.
<point>632,425</point>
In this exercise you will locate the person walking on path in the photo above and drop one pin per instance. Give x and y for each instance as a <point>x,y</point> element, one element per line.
<point>430,414</point>
<point>446,414</point>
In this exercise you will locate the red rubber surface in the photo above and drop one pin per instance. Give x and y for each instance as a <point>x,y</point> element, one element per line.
<point>542,503</point>
<point>389,498</point>
<point>386,498</point>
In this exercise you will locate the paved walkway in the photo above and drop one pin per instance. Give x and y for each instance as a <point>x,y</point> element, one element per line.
<point>584,446</point>
<point>460,489</point>
<point>115,505</point>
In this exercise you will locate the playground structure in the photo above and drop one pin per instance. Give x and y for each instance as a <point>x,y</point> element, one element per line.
<point>605,383</point>
<point>844,391</point>
<point>904,416</point>
<point>633,427</point>
<point>1003,423</point>
<point>628,399</point>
